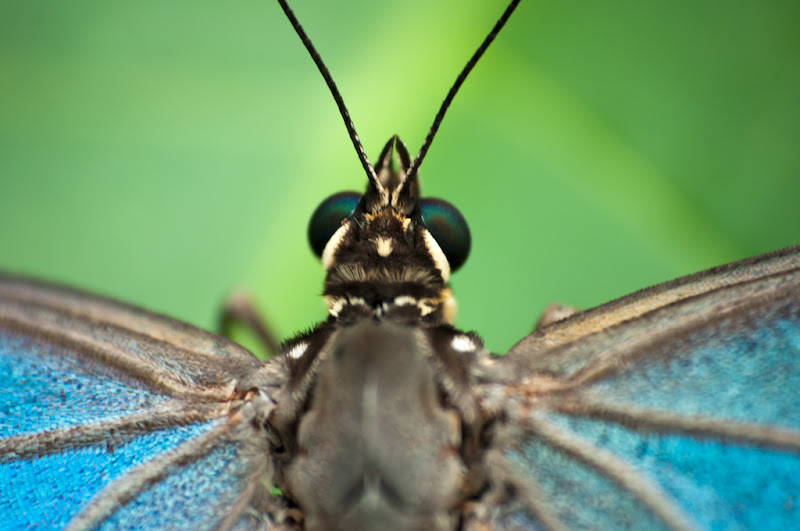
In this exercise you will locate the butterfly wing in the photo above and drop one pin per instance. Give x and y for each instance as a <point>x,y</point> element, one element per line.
<point>113,415</point>
<point>675,407</point>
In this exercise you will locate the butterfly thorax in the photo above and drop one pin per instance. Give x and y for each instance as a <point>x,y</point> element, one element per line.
<point>377,419</point>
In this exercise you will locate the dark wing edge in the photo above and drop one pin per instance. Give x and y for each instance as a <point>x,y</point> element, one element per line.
<point>647,300</point>
<point>75,305</point>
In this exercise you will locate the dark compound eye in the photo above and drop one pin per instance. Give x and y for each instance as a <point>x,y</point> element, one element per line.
<point>328,217</point>
<point>449,229</point>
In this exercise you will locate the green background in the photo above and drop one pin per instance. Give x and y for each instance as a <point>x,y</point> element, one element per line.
<point>165,152</point>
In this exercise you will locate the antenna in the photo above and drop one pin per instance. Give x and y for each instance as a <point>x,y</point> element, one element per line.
<point>348,122</point>
<point>412,170</point>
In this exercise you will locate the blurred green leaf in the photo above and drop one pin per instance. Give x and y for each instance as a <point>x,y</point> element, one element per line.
<point>167,152</point>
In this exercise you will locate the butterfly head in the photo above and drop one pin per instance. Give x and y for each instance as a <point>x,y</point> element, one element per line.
<point>389,250</point>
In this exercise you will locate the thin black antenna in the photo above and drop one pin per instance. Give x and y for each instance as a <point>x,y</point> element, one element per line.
<point>412,170</point>
<point>348,122</point>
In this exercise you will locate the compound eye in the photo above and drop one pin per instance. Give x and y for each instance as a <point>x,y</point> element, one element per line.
<point>449,228</point>
<point>328,217</point>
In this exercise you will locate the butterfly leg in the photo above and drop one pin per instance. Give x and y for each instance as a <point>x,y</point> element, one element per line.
<point>554,312</point>
<point>240,310</point>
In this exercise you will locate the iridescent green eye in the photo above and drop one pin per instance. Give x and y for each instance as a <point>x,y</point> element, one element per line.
<point>449,228</point>
<point>328,217</point>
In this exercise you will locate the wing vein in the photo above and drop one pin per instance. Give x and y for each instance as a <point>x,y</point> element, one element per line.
<point>605,462</point>
<point>121,491</point>
<point>108,433</point>
<point>641,419</point>
<point>525,489</point>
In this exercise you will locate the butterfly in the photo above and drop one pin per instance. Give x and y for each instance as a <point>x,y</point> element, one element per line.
<point>645,412</point>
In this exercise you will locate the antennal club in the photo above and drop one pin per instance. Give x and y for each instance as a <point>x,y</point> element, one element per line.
<point>412,170</point>
<point>348,122</point>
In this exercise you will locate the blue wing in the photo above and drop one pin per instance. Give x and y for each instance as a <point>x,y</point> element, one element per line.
<point>117,418</point>
<point>677,407</point>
